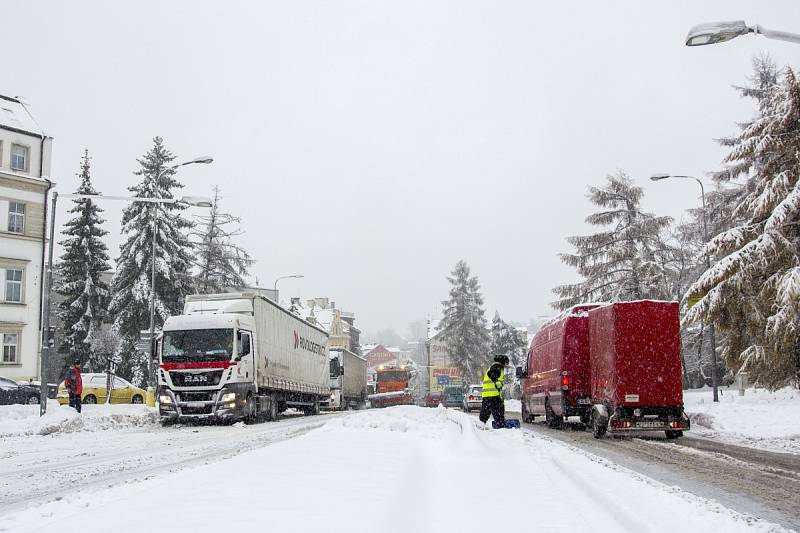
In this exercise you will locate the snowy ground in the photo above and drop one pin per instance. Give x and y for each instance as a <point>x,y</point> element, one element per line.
<point>513,406</point>
<point>759,419</point>
<point>20,420</point>
<point>398,469</point>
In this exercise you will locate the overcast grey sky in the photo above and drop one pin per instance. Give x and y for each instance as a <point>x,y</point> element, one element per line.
<point>371,145</point>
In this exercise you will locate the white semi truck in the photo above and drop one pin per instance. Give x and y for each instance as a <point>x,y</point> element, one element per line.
<point>348,380</point>
<point>240,356</point>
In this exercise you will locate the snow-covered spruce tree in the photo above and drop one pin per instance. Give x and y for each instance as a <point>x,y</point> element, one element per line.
<point>464,324</point>
<point>738,327</point>
<point>688,242</point>
<point>130,303</point>
<point>84,260</point>
<point>221,264</point>
<point>759,258</point>
<point>628,259</point>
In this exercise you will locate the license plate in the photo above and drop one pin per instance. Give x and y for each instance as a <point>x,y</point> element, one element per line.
<point>653,424</point>
<point>631,397</point>
<point>195,404</point>
<point>584,401</point>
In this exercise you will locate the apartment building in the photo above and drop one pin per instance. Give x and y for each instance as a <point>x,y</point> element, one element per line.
<point>25,152</point>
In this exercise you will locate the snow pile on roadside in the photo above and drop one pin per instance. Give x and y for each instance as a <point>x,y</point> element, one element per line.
<point>20,420</point>
<point>513,406</point>
<point>759,419</point>
<point>398,469</point>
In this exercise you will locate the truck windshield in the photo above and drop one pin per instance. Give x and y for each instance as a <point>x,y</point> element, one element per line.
<point>400,375</point>
<point>197,345</point>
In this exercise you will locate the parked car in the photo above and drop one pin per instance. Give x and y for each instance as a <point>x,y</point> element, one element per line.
<point>453,396</point>
<point>433,399</point>
<point>472,398</point>
<point>11,392</point>
<point>94,390</point>
<point>52,388</point>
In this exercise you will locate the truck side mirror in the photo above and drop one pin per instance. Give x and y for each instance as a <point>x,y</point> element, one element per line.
<point>521,372</point>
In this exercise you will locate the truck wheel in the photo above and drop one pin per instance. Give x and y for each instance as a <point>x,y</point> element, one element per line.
<point>272,414</point>
<point>553,421</point>
<point>526,417</point>
<point>249,412</point>
<point>598,427</point>
<point>674,434</point>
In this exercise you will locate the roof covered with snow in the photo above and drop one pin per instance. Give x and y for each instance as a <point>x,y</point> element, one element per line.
<point>14,116</point>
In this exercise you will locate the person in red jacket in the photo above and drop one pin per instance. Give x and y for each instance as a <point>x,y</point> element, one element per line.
<point>74,384</point>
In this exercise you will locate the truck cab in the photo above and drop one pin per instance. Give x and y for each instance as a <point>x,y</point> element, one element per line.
<point>206,366</point>
<point>392,387</point>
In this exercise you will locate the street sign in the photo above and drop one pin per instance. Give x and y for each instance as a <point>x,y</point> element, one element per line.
<point>442,380</point>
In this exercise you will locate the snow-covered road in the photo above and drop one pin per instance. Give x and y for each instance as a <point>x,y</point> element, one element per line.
<point>40,468</point>
<point>759,482</point>
<point>398,469</point>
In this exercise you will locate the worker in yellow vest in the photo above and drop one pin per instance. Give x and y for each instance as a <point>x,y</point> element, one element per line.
<point>492,394</point>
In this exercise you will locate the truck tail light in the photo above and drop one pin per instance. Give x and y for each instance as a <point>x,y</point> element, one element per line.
<point>676,424</point>
<point>564,380</point>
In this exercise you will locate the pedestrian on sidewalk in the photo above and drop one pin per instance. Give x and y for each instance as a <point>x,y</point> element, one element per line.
<point>74,384</point>
<point>492,393</point>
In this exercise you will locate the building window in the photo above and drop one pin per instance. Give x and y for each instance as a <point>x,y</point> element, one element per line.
<point>16,217</point>
<point>10,347</point>
<point>13,285</point>
<point>19,157</point>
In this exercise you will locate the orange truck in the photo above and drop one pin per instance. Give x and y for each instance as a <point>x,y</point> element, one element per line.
<point>392,387</point>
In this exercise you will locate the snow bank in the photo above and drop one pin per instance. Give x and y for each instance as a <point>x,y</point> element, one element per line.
<point>759,419</point>
<point>398,469</point>
<point>513,406</point>
<point>19,420</point>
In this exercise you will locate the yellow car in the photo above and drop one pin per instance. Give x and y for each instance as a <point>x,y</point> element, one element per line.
<point>94,391</point>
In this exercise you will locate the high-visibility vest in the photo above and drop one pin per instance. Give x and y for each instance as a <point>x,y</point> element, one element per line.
<point>489,387</point>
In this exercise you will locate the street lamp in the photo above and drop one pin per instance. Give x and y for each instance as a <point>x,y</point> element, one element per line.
<point>275,286</point>
<point>191,200</point>
<point>195,201</point>
<point>659,177</point>
<point>720,32</point>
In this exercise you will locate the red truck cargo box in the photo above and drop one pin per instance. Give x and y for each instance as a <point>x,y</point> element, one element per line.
<point>635,354</point>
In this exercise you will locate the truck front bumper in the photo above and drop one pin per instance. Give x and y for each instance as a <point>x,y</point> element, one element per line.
<point>220,407</point>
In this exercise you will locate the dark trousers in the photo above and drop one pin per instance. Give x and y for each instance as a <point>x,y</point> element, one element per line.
<point>494,406</point>
<point>75,401</point>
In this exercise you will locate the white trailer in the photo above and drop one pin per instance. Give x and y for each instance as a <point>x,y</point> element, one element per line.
<point>238,356</point>
<point>348,380</point>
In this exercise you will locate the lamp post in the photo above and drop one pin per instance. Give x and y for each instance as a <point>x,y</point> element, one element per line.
<point>720,32</point>
<point>151,371</point>
<point>659,177</point>
<point>197,201</point>
<point>275,285</point>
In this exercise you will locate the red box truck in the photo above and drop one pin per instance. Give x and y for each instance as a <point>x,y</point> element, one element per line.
<point>556,382</point>
<point>635,354</point>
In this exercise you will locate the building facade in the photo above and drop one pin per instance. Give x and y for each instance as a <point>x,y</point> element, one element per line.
<point>25,153</point>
